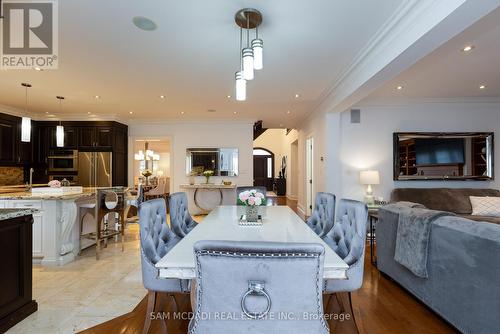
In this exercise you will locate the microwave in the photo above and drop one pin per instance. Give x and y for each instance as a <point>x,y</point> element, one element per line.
<point>63,161</point>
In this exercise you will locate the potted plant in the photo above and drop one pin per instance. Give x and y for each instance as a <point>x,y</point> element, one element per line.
<point>207,175</point>
<point>252,199</point>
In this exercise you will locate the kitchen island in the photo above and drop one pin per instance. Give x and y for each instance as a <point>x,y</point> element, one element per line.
<point>56,227</point>
<point>16,301</point>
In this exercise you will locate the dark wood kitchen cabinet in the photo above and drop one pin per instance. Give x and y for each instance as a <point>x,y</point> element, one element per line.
<point>99,136</point>
<point>8,131</point>
<point>12,150</point>
<point>70,137</point>
<point>96,138</point>
<point>16,299</point>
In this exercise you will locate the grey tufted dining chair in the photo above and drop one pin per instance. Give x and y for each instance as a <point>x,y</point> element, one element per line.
<point>347,239</point>
<point>323,215</point>
<point>156,240</point>
<point>181,221</point>
<point>258,283</point>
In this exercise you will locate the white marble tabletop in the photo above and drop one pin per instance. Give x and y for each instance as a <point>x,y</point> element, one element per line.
<point>280,224</point>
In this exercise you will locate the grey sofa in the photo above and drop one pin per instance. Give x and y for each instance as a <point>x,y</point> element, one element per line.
<point>446,199</point>
<point>463,263</point>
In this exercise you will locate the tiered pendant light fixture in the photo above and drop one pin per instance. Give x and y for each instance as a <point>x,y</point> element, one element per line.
<point>251,56</point>
<point>26,121</point>
<point>60,127</point>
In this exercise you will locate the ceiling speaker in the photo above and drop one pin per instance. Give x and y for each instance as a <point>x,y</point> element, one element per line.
<point>355,116</point>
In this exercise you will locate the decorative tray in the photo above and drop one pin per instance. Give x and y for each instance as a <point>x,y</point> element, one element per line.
<point>243,221</point>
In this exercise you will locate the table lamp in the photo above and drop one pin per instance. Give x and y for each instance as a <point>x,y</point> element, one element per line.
<point>369,178</point>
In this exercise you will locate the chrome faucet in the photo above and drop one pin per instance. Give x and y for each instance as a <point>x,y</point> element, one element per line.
<point>30,184</point>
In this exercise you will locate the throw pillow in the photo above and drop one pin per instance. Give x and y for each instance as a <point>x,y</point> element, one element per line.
<point>485,206</point>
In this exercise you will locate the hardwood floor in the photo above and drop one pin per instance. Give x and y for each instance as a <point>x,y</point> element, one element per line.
<point>380,306</point>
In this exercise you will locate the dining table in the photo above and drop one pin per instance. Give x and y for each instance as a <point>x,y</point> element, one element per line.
<point>278,224</point>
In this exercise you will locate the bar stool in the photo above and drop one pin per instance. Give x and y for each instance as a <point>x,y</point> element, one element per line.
<point>84,209</point>
<point>108,201</point>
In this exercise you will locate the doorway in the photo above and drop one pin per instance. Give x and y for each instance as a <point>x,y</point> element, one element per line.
<point>294,170</point>
<point>263,168</point>
<point>309,175</point>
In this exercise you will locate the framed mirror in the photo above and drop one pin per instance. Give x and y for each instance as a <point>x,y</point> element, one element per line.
<point>222,161</point>
<point>443,156</point>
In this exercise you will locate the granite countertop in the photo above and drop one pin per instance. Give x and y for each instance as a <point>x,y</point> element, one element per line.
<point>13,213</point>
<point>208,186</point>
<point>87,192</point>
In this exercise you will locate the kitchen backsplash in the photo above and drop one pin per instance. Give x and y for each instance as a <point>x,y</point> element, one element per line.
<point>11,176</point>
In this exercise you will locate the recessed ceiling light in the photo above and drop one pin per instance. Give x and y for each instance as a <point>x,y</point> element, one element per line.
<point>482,87</point>
<point>229,96</point>
<point>297,96</point>
<point>288,112</point>
<point>144,23</point>
<point>97,97</point>
<point>468,48</point>
<point>399,87</point>
<point>182,112</point>
<point>130,112</point>
<point>88,112</point>
<point>235,112</point>
<point>38,69</point>
<point>46,112</point>
<point>162,97</point>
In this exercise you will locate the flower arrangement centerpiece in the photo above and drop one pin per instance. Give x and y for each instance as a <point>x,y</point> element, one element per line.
<point>147,173</point>
<point>207,175</point>
<point>252,199</point>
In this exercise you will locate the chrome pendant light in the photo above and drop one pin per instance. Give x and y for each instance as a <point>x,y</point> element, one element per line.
<point>258,51</point>
<point>241,83</point>
<point>26,121</point>
<point>60,127</point>
<point>248,19</point>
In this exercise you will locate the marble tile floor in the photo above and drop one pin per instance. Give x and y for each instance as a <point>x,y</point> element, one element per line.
<point>87,292</point>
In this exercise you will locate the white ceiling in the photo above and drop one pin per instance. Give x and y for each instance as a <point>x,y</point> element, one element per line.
<point>449,72</point>
<point>192,56</point>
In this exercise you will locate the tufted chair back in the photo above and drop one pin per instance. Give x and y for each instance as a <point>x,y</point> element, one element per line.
<point>156,240</point>
<point>181,221</point>
<point>260,189</point>
<point>347,239</point>
<point>257,283</point>
<point>323,215</point>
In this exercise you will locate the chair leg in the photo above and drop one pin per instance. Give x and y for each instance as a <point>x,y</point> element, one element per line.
<point>152,295</point>
<point>352,312</point>
<point>341,303</point>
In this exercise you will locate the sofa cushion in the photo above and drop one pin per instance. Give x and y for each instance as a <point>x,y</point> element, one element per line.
<point>488,219</point>
<point>485,206</point>
<point>442,199</point>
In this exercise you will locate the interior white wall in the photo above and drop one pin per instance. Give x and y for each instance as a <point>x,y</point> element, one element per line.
<point>369,145</point>
<point>200,134</point>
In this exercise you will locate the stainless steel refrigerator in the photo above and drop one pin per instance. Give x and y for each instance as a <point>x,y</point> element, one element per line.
<point>95,169</point>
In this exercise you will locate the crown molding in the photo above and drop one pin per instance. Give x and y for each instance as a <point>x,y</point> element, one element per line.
<point>393,102</point>
<point>143,122</point>
<point>416,29</point>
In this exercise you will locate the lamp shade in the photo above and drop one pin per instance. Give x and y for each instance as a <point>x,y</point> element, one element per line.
<point>369,177</point>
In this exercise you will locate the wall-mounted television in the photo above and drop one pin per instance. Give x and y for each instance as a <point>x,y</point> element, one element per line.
<point>443,156</point>
<point>435,151</point>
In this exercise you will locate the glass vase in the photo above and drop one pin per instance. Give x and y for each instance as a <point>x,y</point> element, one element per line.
<point>252,213</point>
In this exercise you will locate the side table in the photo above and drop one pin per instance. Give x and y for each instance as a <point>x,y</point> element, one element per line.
<point>373,217</point>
